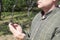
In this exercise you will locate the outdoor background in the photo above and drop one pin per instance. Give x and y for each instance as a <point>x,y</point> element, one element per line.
<point>23,13</point>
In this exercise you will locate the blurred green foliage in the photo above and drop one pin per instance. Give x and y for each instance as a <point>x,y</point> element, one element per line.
<point>8,4</point>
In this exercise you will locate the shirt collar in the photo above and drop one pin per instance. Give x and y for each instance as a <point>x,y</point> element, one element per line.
<point>44,16</point>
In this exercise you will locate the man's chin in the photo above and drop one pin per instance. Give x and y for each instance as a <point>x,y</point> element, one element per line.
<point>39,6</point>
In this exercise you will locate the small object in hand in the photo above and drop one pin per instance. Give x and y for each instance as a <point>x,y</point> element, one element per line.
<point>14,25</point>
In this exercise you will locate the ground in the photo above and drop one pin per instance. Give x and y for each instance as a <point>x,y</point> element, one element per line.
<point>7,37</point>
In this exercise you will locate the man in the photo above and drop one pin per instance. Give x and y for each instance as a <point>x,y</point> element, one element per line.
<point>46,24</point>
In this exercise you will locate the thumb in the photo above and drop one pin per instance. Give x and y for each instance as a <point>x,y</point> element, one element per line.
<point>10,24</point>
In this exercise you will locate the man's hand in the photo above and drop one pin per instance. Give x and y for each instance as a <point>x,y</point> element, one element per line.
<point>16,30</point>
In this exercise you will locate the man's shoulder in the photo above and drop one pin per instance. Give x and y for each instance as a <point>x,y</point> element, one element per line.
<point>57,15</point>
<point>57,12</point>
<point>37,16</point>
<point>57,9</point>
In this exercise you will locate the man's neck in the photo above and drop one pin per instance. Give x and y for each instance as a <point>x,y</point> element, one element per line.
<point>47,9</point>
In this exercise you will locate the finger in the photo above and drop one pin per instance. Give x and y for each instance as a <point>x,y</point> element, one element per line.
<point>12,29</point>
<point>9,25</point>
<point>15,25</point>
<point>19,28</point>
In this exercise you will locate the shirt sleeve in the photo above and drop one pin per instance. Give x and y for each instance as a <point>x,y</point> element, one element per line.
<point>27,37</point>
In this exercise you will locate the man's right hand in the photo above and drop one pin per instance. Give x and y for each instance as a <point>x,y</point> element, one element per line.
<point>16,30</point>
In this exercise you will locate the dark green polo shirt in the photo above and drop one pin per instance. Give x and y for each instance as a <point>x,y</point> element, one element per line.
<point>45,29</point>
